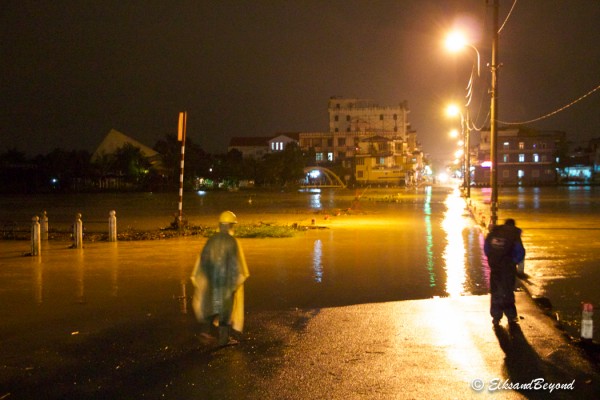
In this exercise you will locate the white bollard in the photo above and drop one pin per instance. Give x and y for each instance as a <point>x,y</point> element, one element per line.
<point>112,226</point>
<point>36,243</point>
<point>78,232</point>
<point>587,324</point>
<point>44,226</point>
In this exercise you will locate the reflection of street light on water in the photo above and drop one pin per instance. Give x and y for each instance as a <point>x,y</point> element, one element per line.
<point>454,110</point>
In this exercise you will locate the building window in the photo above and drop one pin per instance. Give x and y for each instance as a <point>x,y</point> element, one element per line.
<point>359,174</point>
<point>521,157</point>
<point>341,154</point>
<point>505,157</point>
<point>506,145</point>
<point>535,173</point>
<point>395,129</point>
<point>329,156</point>
<point>348,129</point>
<point>360,161</point>
<point>521,145</point>
<point>276,146</point>
<point>381,160</point>
<point>381,117</point>
<point>521,173</point>
<point>341,141</point>
<point>543,145</point>
<point>330,142</point>
<point>347,118</point>
<point>395,117</point>
<point>319,156</point>
<point>336,118</point>
<point>544,158</point>
<point>336,129</point>
<point>505,173</point>
<point>536,158</point>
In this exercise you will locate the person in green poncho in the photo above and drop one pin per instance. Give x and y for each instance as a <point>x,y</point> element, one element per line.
<point>218,278</point>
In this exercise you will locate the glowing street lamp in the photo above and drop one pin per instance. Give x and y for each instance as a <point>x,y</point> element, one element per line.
<point>456,41</point>
<point>453,110</point>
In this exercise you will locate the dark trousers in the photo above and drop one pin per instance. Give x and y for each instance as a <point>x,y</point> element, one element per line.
<point>502,286</point>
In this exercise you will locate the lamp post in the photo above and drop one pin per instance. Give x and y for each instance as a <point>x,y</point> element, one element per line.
<point>455,42</point>
<point>494,120</point>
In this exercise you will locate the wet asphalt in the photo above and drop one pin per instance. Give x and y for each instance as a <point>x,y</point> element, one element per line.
<point>418,349</point>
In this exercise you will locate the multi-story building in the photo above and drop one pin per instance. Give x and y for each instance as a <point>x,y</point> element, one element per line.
<point>359,130</point>
<point>379,160</point>
<point>524,156</point>
<point>353,120</point>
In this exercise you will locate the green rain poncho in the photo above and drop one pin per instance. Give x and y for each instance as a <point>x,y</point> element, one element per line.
<point>218,277</point>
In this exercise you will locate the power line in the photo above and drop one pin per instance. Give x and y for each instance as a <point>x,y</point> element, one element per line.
<point>553,112</point>
<point>508,16</point>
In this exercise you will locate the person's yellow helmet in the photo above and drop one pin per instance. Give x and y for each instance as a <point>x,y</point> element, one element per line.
<point>227,217</point>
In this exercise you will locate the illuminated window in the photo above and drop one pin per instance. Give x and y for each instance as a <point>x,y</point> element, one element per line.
<point>341,141</point>
<point>521,173</point>
<point>329,156</point>
<point>521,157</point>
<point>506,145</point>
<point>521,145</point>
<point>360,161</point>
<point>536,158</point>
<point>505,157</point>
<point>319,156</point>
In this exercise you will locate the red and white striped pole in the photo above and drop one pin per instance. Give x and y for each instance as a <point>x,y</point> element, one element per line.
<point>181,138</point>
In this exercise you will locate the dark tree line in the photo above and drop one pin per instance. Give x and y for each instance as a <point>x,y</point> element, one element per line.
<point>128,169</point>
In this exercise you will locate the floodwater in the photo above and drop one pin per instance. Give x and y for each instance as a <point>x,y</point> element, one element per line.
<point>561,233</point>
<point>395,244</point>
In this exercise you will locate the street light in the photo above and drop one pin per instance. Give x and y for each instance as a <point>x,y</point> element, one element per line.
<point>456,41</point>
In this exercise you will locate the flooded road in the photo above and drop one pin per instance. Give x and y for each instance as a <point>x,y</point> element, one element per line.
<point>76,316</point>
<point>414,245</point>
<point>398,244</point>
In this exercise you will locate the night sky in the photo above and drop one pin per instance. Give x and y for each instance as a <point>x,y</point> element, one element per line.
<point>72,70</point>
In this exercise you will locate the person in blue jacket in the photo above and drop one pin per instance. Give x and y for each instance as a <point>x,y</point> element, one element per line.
<point>504,250</point>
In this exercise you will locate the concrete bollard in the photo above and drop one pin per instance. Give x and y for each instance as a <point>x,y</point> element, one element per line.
<point>36,244</point>
<point>78,232</point>
<point>44,226</point>
<point>587,324</point>
<point>112,226</point>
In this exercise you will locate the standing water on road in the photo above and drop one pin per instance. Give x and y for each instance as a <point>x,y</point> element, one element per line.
<point>561,233</point>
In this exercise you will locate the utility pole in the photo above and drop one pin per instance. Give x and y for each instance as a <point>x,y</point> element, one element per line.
<point>494,119</point>
<point>181,137</point>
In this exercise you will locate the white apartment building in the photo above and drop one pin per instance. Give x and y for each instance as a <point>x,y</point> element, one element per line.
<point>353,120</point>
<point>358,115</point>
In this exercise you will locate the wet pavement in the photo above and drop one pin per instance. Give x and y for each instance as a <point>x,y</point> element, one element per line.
<point>374,306</point>
<point>142,341</point>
